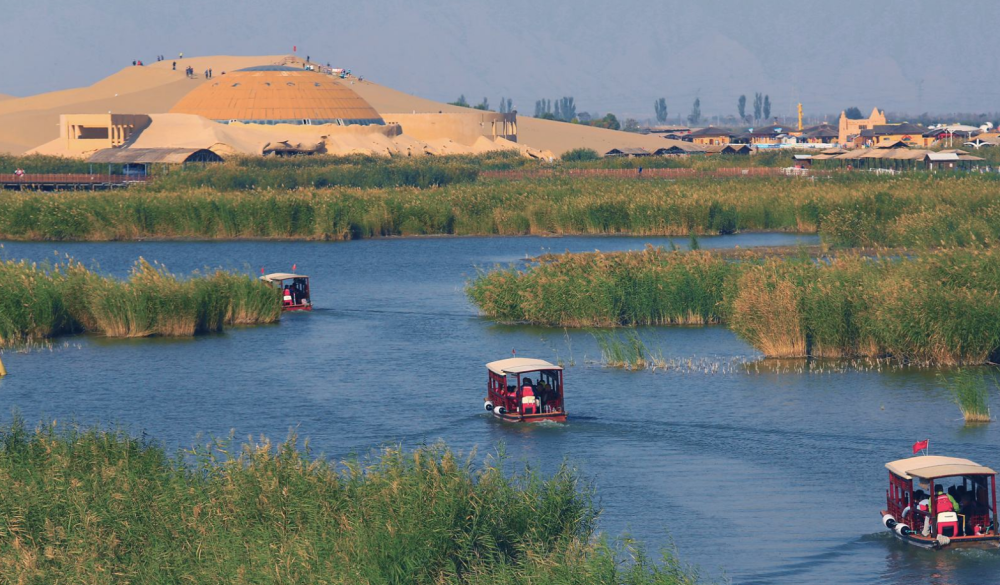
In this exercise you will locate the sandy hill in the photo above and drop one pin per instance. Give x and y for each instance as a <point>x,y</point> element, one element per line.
<point>557,137</point>
<point>28,122</point>
<point>4,96</point>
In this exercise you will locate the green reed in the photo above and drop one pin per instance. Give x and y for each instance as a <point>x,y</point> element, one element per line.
<point>939,307</point>
<point>92,504</point>
<point>43,301</point>
<point>916,211</point>
<point>971,391</point>
<point>627,350</point>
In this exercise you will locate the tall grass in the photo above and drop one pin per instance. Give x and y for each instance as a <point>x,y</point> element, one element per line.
<point>39,302</point>
<point>940,307</point>
<point>917,212</point>
<point>92,506</point>
<point>971,391</point>
<point>626,351</point>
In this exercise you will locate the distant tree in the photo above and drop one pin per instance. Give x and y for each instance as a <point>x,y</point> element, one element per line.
<point>542,107</point>
<point>566,109</point>
<point>584,117</point>
<point>558,112</point>
<point>503,105</point>
<point>853,113</point>
<point>631,125</point>
<point>741,107</point>
<point>695,116</point>
<point>483,105</point>
<point>767,107</point>
<point>546,116</point>
<point>460,102</point>
<point>609,121</point>
<point>509,107</point>
<point>660,106</point>
<point>580,154</point>
<point>758,106</point>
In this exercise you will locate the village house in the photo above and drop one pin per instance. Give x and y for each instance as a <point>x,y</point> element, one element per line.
<point>849,129</point>
<point>709,136</point>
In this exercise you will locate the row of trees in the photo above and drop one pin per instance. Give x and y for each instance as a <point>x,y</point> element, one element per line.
<point>761,107</point>
<point>506,104</point>
<point>565,109</point>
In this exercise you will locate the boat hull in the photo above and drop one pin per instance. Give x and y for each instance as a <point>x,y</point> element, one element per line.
<point>297,308</point>
<point>530,418</point>
<point>985,541</point>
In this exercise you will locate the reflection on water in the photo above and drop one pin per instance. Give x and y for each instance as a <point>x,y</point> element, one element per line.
<point>773,475</point>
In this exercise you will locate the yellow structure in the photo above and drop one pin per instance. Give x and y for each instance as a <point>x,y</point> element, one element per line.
<point>709,136</point>
<point>462,128</point>
<point>86,132</point>
<point>850,127</point>
<point>278,94</point>
<point>800,117</point>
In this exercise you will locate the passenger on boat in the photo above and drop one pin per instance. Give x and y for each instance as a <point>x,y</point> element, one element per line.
<point>528,398</point>
<point>945,502</point>
<point>286,297</point>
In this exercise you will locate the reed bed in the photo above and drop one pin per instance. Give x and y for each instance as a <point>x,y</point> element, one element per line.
<point>92,506</point>
<point>941,307</point>
<point>40,302</point>
<point>855,210</point>
<point>971,391</point>
<point>627,351</point>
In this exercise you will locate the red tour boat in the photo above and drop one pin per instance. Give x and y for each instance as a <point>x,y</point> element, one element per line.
<point>525,390</point>
<point>936,502</point>
<point>294,290</point>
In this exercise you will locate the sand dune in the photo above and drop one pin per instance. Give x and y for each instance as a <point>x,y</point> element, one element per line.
<point>28,122</point>
<point>557,137</point>
<point>4,96</point>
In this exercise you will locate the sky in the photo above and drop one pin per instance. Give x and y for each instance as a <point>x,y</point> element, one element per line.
<point>908,56</point>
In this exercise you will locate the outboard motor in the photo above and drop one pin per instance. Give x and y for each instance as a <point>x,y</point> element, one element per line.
<point>488,406</point>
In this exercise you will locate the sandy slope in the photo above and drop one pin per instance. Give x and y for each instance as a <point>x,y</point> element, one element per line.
<point>28,122</point>
<point>557,137</point>
<point>31,121</point>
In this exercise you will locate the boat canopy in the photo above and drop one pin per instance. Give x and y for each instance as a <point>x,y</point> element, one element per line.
<point>519,366</point>
<point>935,466</point>
<point>279,276</point>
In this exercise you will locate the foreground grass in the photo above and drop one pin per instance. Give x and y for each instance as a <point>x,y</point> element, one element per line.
<point>93,506</point>
<point>854,210</point>
<point>941,307</point>
<point>38,302</point>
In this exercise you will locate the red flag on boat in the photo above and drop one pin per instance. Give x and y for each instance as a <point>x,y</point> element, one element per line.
<point>262,271</point>
<point>293,267</point>
<point>920,445</point>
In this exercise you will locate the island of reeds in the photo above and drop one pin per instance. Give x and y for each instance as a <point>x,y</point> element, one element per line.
<point>937,307</point>
<point>94,506</point>
<point>42,301</point>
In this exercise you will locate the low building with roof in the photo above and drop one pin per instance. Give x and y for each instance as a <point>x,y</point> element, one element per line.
<point>708,136</point>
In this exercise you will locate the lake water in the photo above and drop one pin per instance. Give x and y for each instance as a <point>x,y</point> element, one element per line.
<point>756,476</point>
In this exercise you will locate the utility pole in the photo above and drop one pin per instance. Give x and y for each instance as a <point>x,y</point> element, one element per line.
<point>800,115</point>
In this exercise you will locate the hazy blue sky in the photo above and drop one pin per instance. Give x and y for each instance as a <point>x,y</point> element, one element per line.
<point>909,55</point>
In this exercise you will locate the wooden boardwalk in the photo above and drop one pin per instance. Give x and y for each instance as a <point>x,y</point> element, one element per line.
<point>54,181</point>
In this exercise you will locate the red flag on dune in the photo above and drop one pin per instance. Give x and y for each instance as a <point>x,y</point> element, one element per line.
<point>920,445</point>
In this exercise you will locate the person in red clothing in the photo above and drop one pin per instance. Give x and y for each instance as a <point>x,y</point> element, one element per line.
<point>528,398</point>
<point>944,502</point>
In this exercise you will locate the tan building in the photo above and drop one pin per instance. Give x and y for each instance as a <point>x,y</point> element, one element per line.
<point>89,132</point>
<point>710,136</point>
<point>278,94</point>
<point>849,128</point>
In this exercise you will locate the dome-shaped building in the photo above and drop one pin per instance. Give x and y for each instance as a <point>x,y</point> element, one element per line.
<point>276,94</point>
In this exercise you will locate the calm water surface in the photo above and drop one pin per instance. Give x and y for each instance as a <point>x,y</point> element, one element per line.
<point>755,476</point>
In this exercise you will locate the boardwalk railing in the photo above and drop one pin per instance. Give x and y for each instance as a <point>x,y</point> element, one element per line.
<point>654,173</point>
<point>66,180</point>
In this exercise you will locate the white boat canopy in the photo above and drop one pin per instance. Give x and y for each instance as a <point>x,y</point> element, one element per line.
<point>935,466</point>
<point>519,366</point>
<point>279,276</point>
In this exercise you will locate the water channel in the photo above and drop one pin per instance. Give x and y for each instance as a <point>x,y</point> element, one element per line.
<point>758,476</point>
